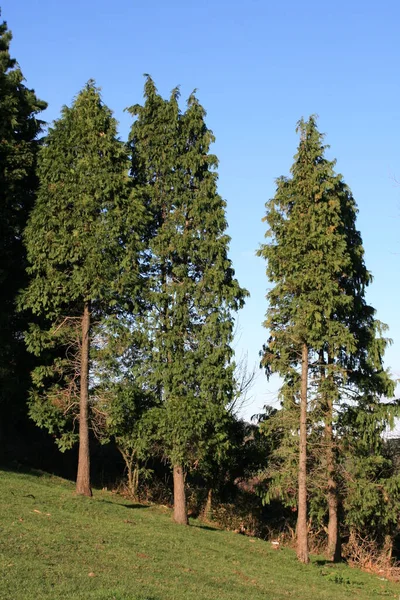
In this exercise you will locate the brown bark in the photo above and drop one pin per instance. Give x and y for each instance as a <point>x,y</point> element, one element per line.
<point>334,543</point>
<point>302,534</point>
<point>180,510</point>
<point>208,506</point>
<point>83,476</point>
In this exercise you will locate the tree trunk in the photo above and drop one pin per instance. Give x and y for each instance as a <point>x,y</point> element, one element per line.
<point>180,511</point>
<point>334,544</point>
<point>208,506</point>
<point>388,549</point>
<point>135,481</point>
<point>302,534</point>
<point>83,476</point>
<point>132,471</point>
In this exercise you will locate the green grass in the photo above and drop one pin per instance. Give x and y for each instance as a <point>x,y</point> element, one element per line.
<point>54,545</point>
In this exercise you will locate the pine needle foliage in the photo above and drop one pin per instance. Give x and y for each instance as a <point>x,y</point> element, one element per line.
<point>20,128</point>
<point>81,249</point>
<point>192,290</point>
<point>315,261</point>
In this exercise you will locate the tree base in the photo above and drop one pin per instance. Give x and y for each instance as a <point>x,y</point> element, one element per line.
<point>83,491</point>
<point>180,511</point>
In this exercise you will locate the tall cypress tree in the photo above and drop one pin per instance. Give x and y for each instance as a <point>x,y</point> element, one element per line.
<point>317,316</point>
<point>79,252</point>
<point>19,131</point>
<point>192,288</point>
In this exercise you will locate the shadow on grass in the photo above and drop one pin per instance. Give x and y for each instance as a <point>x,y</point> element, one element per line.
<point>322,562</point>
<point>19,468</point>
<point>27,470</point>
<point>206,527</point>
<point>103,501</point>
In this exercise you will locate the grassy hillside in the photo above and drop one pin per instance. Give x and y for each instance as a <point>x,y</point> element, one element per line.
<point>57,546</point>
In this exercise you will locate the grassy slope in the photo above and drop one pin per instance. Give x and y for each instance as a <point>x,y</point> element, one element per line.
<point>57,546</point>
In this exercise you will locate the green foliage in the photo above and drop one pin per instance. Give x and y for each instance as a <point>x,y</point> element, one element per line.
<point>80,242</point>
<point>278,478</point>
<point>122,413</point>
<point>19,131</point>
<point>371,486</point>
<point>73,233</point>
<point>315,261</point>
<point>308,258</point>
<point>191,288</point>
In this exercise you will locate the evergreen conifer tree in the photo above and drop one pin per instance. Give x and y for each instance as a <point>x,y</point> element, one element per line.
<point>317,314</point>
<point>191,284</point>
<point>81,242</point>
<point>19,131</point>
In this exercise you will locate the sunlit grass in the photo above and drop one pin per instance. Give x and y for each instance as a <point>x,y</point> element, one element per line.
<point>58,546</point>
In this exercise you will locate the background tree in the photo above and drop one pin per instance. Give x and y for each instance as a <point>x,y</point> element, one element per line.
<point>120,415</point>
<point>122,399</point>
<point>80,254</point>
<point>192,289</point>
<point>369,488</point>
<point>19,144</point>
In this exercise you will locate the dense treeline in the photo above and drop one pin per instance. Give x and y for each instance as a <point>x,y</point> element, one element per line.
<point>116,278</point>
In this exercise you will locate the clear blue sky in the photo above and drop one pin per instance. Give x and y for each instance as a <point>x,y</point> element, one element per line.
<point>259,66</point>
